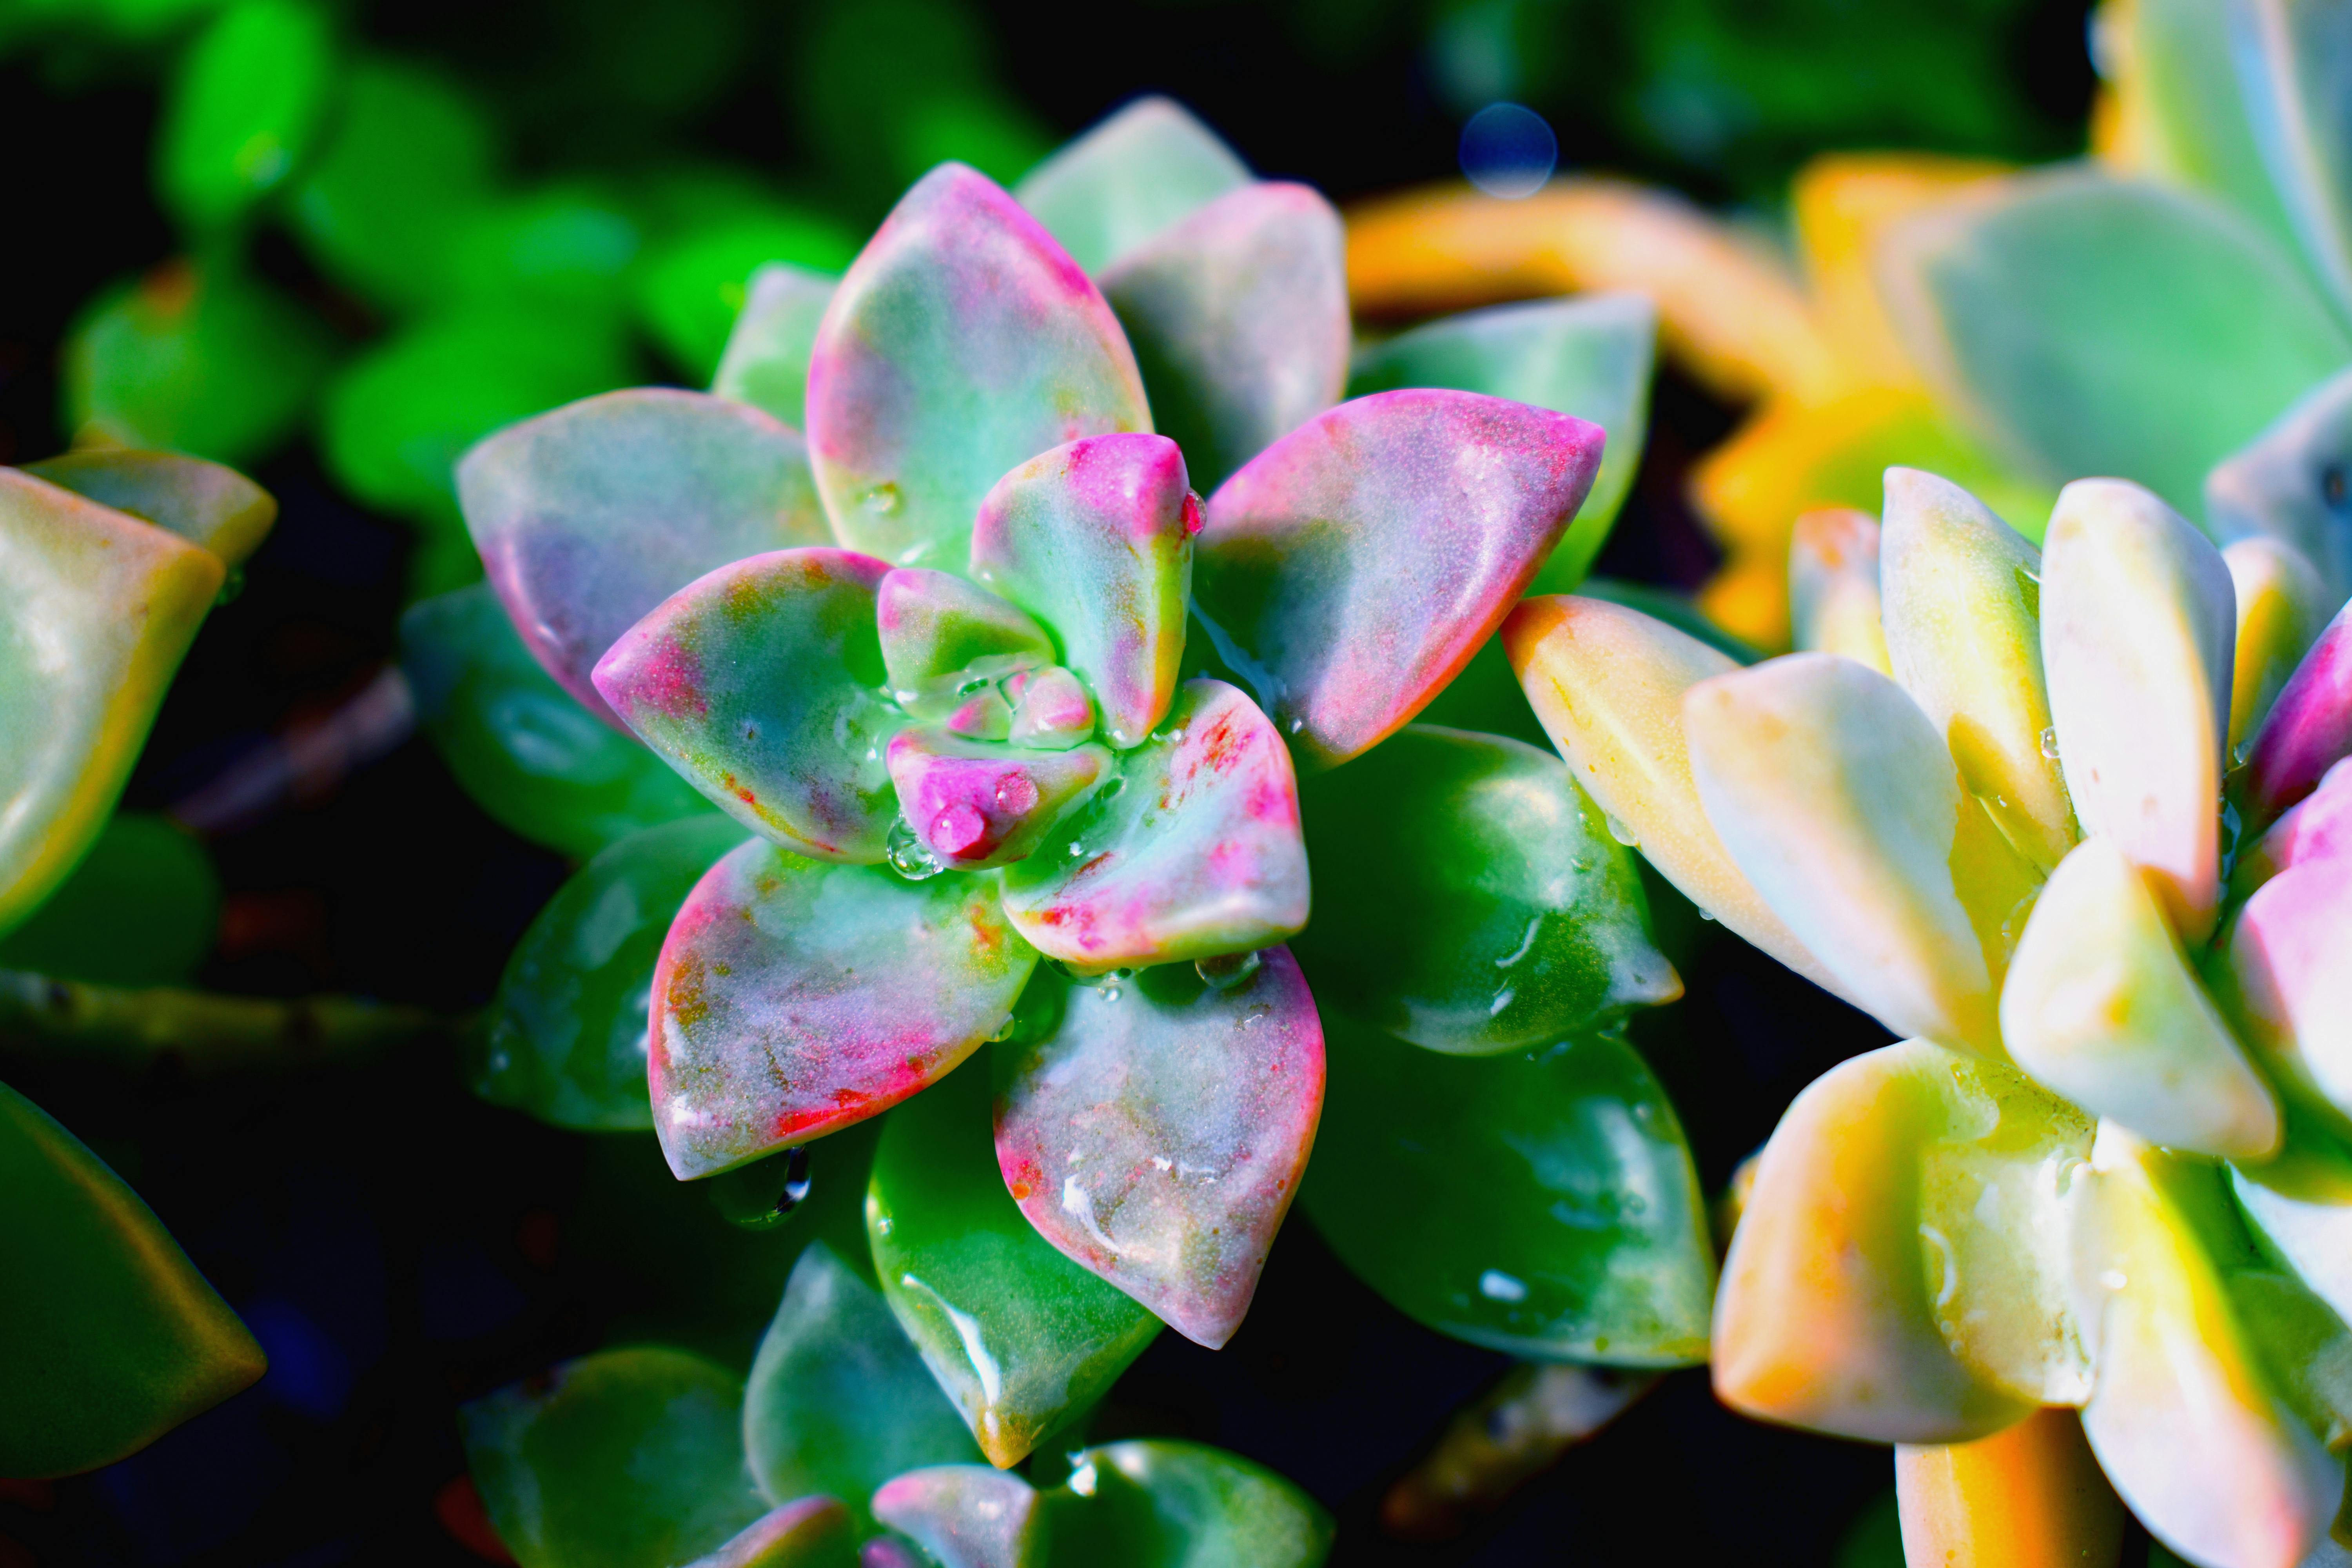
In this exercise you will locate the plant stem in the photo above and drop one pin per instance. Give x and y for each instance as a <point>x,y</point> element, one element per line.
<point>199,1034</point>
<point>1515,1431</point>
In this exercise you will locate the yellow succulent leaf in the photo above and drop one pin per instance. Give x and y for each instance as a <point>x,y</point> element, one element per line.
<point>2101,1005</point>
<point>1607,684</point>
<point>1836,799</point>
<point>1964,631</point>
<point>2282,605</point>
<point>1835,1295</point>
<point>1834,587</point>
<point>97,610</point>
<point>1728,307</point>
<point>2031,1496</point>
<point>2138,624</point>
<point>206,503</point>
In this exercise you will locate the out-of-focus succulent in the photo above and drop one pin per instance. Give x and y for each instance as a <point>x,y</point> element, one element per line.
<point>934,656</point>
<point>2007,806</point>
<point>111,560</point>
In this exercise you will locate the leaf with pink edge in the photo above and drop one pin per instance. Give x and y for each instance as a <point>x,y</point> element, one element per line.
<point>1158,1135</point>
<point>1095,539</point>
<point>2316,828</point>
<point>939,633</point>
<point>963,342</point>
<point>1354,566</point>
<point>808,1532</point>
<point>2308,731</point>
<point>967,1516</point>
<point>1196,853</point>
<point>767,357</point>
<point>1130,177</point>
<point>2288,985</point>
<point>976,802</point>
<point>1238,315</point>
<point>760,683</point>
<point>589,516</point>
<point>794,998</point>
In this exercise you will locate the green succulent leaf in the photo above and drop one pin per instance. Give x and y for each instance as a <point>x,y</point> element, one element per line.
<point>1155,1503</point>
<point>762,683</point>
<point>1019,1337</point>
<point>205,503</point>
<point>795,997</point>
<point>1504,917</point>
<point>1130,178</point>
<point>192,357</point>
<point>589,517</point>
<point>409,160</point>
<point>2087,325</point>
<point>567,1030</point>
<point>627,1458</point>
<point>699,287</point>
<point>1590,357</point>
<point>100,609</point>
<point>1238,315</point>
<point>839,1400</point>
<point>967,1516</point>
<point>961,343</point>
<point>1195,853</point>
<point>245,108</point>
<point>141,908</point>
<point>1556,1216</point>
<point>568,246</point>
<point>118,1339</point>
<point>2297,102</point>
<point>530,755</point>
<point>766,360</point>
<point>941,635</point>
<point>809,1532</point>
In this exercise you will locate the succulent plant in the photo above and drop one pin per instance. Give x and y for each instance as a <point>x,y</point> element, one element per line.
<point>2011,805</point>
<point>1034,745</point>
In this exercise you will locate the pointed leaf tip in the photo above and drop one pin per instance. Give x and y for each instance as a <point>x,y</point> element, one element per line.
<point>2307,732</point>
<point>1833,586</point>
<point>1130,177</point>
<point>967,1516</point>
<point>962,343</point>
<point>1352,568</point>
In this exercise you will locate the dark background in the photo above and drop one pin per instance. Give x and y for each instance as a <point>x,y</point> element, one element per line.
<point>400,1246</point>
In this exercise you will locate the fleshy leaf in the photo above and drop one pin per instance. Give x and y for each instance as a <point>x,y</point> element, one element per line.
<point>120,1339</point>
<point>1590,356</point>
<point>1607,682</point>
<point>2030,1495</point>
<point>1157,1135</point>
<point>567,1031</point>
<point>2292,85</point>
<point>1019,1336</point>
<point>141,908</point>
<point>766,362</point>
<point>795,997</point>
<point>1196,853</point>
<point>1964,637</point>
<point>974,804</point>
<point>247,100</point>
<point>1833,599</point>
<point>1838,801</point>
<point>528,754</point>
<point>2137,623</point>
<point>760,683</point>
<point>962,343</point>
<point>1353,567</point>
<point>1095,539</point>
<point>2282,609</point>
<point>1154,1503</point>
<point>1558,1217</point>
<point>1126,179</point>
<point>2299,1207</point>
<point>615,1460</point>
<point>2090,325</point>
<point>2255,1486</point>
<point>810,1532</point>
<point>205,503</point>
<point>2289,984</point>
<point>590,516</point>
<point>2307,732</point>
<point>101,608</point>
<point>1832,1316</point>
<point>1506,917</point>
<point>967,1516</point>
<point>1238,315</point>
<point>2317,827</point>
<point>2289,483</point>
<point>838,1401</point>
<point>940,634</point>
<point>1051,711</point>
<point>2101,1005</point>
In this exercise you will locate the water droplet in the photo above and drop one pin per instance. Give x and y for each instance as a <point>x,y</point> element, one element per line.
<point>883,499</point>
<point>1076,848</point>
<point>1497,1286</point>
<point>1005,1030</point>
<point>1110,993</point>
<point>1707,914</point>
<point>1620,832</point>
<point>2115,1279</point>
<point>765,1193</point>
<point>1507,149</point>
<point>1225,972</point>
<point>910,856</point>
<point>1297,725</point>
<point>1112,790</point>
<point>2050,742</point>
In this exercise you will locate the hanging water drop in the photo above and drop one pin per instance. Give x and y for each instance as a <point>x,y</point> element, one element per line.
<point>1226,971</point>
<point>1620,832</point>
<point>910,856</point>
<point>1005,1030</point>
<point>765,1193</point>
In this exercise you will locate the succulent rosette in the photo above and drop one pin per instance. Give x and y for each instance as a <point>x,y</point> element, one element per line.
<point>2063,818</point>
<point>1029,654</point>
